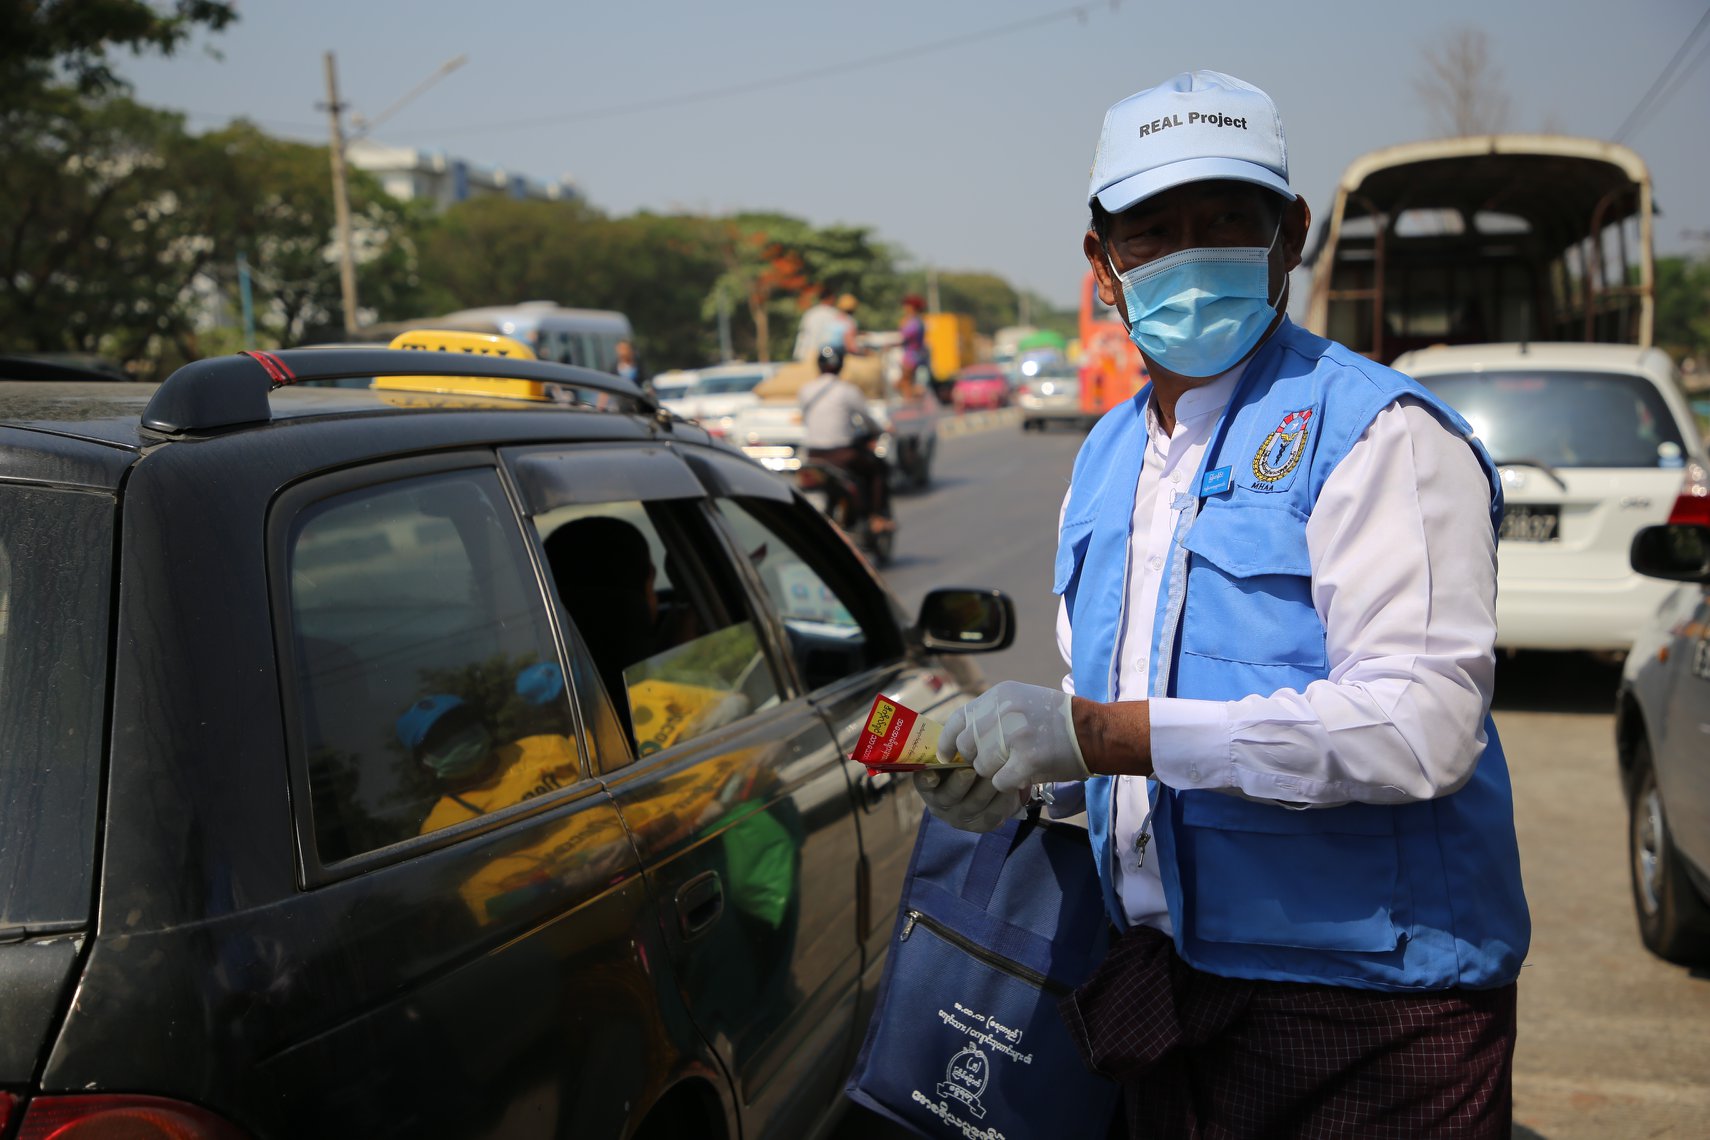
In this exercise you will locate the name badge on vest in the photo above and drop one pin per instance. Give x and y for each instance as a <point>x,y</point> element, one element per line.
<point>1214,482</point>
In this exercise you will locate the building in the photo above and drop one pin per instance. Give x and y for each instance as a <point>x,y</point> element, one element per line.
<point>438,178</point>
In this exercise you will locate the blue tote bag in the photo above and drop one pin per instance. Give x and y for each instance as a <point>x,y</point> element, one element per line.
<point>965,1039</point>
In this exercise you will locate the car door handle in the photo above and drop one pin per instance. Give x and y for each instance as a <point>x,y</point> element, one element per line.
<point>874,785</point>
<point>700,902</point>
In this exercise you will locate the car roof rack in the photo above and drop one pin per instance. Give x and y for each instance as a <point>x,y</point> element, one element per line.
<point>229,391</point>
<point>60,366</point>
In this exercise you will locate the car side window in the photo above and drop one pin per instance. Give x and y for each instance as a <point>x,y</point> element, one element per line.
<point>668,628</point>
<point>428,684</point>
<point>836,619</point>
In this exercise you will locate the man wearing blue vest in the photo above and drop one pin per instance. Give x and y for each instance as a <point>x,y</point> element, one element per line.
<point>1277,576</point>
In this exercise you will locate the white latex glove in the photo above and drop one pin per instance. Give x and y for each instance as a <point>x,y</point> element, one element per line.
<point>1016,735</point>
<point>965,800</point>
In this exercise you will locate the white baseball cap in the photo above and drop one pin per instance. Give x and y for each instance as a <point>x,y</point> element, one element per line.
<point>1197,126</point>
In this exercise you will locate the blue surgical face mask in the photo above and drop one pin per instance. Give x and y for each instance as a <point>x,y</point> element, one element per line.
<point>1200,311</point>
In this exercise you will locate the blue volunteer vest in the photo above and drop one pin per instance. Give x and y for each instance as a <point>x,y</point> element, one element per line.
<point>1413,896</point>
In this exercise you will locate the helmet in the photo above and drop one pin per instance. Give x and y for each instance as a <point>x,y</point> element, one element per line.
<point>848,303</point>
<point>831,358</point>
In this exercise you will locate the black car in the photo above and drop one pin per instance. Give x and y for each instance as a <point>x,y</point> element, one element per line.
<point>461,755</point>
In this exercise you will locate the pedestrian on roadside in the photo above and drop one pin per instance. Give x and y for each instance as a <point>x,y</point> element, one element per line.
<point>916,361</point>
<point>1277,574</point>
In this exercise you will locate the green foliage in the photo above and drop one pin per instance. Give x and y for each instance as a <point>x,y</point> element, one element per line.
<point>277,208</point>
<point>43,42</point>
<point>1683,306</point>
<point>119,232</point>
<point>104,211</point>
<point>654,268</point>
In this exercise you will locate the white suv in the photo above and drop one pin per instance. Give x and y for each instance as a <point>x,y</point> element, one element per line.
<point>1594,441</point>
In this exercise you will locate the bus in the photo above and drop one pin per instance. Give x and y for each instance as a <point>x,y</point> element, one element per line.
<point>1486,238</point>
<point>585,337</point>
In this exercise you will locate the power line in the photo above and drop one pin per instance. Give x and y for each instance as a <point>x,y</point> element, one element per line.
<point>1674,87</point>
<point>1075,11</point>
<point>1644,107</point>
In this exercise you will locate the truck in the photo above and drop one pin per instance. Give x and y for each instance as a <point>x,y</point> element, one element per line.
<point>1517,237</point>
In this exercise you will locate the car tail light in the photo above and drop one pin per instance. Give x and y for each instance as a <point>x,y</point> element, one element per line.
<point>1693,504</point>
<point>108,1116</point>
<point>7,1100</point>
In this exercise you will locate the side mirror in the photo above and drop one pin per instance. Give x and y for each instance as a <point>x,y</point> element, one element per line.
<point>1679,552</point>
<point>965,620</point>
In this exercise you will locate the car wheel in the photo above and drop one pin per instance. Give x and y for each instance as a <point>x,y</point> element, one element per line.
<point>1673,920</point>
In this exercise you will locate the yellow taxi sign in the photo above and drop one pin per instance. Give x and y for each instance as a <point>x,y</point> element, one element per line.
<point>476,344</point>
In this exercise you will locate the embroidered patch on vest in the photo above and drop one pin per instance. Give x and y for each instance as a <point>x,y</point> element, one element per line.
<point>1282,449</point>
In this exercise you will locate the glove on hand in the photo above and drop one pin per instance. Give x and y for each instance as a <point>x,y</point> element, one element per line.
<point>1016,735</point>
<point>965,800</point>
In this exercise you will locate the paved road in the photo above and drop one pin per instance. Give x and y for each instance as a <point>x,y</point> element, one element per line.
<point>1613,1043</point>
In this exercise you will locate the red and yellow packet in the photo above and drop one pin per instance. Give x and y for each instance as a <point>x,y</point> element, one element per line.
<point>898,739</point>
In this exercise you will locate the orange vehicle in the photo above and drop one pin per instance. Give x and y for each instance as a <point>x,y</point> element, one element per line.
<point>1111,368</point>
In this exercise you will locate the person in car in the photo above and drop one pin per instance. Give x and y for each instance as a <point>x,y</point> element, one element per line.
<point>837,431</point>
<point>1277,574</point>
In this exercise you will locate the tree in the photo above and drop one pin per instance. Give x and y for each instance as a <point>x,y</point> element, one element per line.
<point>274,204</point>
<point>656,269</point>
<point>762,266</point>
<point>43,42</point>
<point>1683,306</point>
<point>1460,87</point>
<point>102,234</point>
<point>986,297</point>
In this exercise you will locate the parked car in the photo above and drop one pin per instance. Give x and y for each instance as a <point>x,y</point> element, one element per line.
<point>1662,718</point>
<point>712,397</point>
<point>1592,441</point>
<point>980,386</point>
<point>1049,393</point>
<point>463,756</point>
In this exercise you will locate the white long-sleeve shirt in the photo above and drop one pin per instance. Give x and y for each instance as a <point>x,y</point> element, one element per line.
<point>1404,579</point>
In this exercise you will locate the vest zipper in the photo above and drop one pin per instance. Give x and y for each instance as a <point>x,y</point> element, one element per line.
<point>974,950</point>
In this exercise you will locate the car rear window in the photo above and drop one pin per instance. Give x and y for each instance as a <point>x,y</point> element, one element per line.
<point>56,552</point>
<point>429,687</point>
<point>1566,419</point>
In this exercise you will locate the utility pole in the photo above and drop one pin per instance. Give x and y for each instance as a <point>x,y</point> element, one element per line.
<point>932,290</point>
<point>341,201</point>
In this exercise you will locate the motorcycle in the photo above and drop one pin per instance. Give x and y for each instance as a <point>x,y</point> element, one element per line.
<point>832,489</point>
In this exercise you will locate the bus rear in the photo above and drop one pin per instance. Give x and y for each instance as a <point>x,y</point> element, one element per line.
<point>1488,238</point>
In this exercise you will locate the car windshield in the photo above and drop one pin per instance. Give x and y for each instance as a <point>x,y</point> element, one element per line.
<point>1565,419</point>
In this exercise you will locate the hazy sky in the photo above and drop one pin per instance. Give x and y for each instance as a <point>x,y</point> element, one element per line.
<point>970,156</point>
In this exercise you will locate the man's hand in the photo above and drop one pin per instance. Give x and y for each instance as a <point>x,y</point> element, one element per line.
<point>1016,735</point>
<point>965,800</point>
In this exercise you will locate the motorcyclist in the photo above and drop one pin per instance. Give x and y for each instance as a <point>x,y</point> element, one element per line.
<point>838,431</point>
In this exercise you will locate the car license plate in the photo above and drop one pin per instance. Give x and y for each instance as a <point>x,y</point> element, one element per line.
<point>1529,523</point>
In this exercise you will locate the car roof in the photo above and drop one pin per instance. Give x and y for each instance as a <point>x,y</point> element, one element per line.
<point>1547,354</point>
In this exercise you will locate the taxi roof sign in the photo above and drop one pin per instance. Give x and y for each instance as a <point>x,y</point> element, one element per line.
<point>478,344</point>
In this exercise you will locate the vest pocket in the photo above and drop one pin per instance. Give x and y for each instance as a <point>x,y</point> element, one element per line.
<point>1249,590</point>
<point>1257,874</point>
